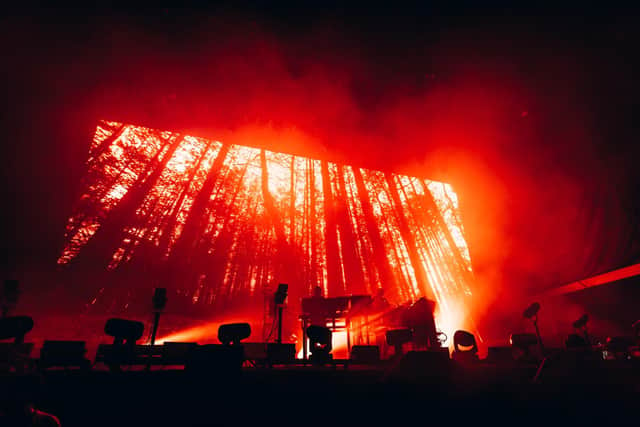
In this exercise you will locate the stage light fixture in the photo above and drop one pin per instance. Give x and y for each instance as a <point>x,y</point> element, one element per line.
<point>531,311</point>
<point>281,294</point>
<point>465,346</point>
<point>124,331</point>
<point>15,327</point>
<point>233,333</point>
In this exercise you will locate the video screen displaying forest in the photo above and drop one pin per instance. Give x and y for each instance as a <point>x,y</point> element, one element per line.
<point>220,223</point>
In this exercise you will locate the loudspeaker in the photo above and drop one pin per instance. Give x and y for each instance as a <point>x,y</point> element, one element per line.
<point>215,359</point>
<point>63,354</point>
<point>281,353</point>
<point>419,366</point>
<point>500,355</point>
<point>365,354</point>
<point>177,353</point>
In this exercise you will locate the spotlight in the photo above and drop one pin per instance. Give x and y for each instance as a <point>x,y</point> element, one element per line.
<point>531,313</point>
<point>579,340</point>
<point>15,327</point>
<point>465,346</point>
<point>124,331</point>
<point>15,354</point>
<point>233,333</point>
<point>532,310</point>
<point>581,322</point>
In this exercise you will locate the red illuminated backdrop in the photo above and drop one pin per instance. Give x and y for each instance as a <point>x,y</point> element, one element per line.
<point>218,223</point>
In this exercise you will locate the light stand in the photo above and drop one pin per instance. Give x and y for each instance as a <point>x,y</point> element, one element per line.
<point>9,297</point>
<point>278,299</point>
<point>532,313</point>
<point>580,325</point>
<point>159,302</point>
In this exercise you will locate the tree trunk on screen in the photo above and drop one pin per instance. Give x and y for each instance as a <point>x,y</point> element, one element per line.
<point>408,237</point>
<point>433,207</point>
<point>187,237</point>
<point>334,276</point>
<point>350,254</point>
<point>379,252</point>
<point>104,145</point>
<point>313,239</point>
<point>165,238</point>
<point>108,237</point>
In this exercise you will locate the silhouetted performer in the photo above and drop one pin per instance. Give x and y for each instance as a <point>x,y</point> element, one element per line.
<point>317,309</point>
<point>420,318</point>
<point>380,303</point>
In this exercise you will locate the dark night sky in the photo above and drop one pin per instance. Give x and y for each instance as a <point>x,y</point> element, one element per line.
<point>529,112</point>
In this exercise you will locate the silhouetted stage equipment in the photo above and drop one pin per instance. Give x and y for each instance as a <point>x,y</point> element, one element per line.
<point>531,313</point>
<point>15,328</point>
<point>396,338</point>
<point>215,359</point>
<point>268,354</point>
<point>500,355</point>
<point>429,365</point>
<point>278,300</point>
<point>224,359</point>
<point>419,319</point>
<point>621,348</point>
<point>124,350</point>
<point>15,355</point>
<point>465,347</point>
<point>159,301</point>
<point>320,344</point>
<point>63,354</point>
<point>365,354</point>
<point>337,314</point>
<point>233,333</point>
<point>177,353</point>
<point>9,296</point>
<point>524,347</point>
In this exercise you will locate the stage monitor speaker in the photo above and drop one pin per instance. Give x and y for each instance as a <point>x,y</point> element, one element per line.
<point>177,353</point>
<point>281,353</point>
<point>365,354</point>
<point>215,359</point>
<point>500,355</point>
<point>422,366</point>
<point>63,354</point>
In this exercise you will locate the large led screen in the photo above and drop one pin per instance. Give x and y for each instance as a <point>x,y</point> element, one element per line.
<point>220,222</point>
